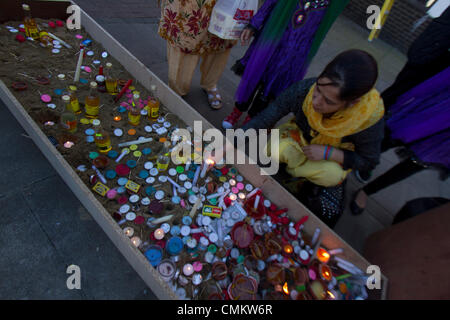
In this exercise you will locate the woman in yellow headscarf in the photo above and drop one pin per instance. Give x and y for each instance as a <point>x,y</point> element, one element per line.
<point>337,127</point>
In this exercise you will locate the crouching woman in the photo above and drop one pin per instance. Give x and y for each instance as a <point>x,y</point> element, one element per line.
<point>337,127</point>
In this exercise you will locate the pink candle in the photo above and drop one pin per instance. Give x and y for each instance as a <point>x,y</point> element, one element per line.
<point>198,266</point>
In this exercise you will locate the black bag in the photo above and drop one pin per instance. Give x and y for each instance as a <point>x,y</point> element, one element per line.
<point>327,203</point>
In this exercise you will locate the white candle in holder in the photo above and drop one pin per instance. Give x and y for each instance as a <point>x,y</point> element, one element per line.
<point>159,234</point>
<point>136,241</point>
<point>188,270</point>
<point>128,231</point>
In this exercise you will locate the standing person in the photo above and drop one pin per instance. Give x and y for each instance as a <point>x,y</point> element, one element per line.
<point>428,56</point>
<point>184,24</point>
<point>287,36</point>
<point>420,121</point>
<point>338,127</point>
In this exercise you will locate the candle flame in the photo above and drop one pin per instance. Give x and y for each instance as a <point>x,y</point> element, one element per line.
<point>323,255</point>
<point>288,249</point>
<point>331,295</point>
<point>210,162</point>
<point>285,288</point>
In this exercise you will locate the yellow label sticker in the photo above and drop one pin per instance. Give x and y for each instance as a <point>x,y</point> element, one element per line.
<point>132,186</point>
<point>100,188</point>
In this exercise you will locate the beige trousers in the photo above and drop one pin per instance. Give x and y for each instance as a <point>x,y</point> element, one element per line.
<point>182,67</point>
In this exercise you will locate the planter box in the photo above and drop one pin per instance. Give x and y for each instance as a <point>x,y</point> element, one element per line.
<point>278,195</point>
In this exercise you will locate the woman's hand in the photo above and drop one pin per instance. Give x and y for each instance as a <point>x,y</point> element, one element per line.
<point>314,152</point>
<point>246,34</point>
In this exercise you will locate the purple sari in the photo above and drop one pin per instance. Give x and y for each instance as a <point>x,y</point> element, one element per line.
<point>421,119</point>
<point>279,64</point>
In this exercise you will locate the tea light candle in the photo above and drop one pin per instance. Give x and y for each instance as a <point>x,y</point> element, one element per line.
<point>233,197</point>
<point>198,266</point>
<point>191,243</point>
<point>128,231</point>
<point>159,234</point>
<point>323,255</point>
<point>197,279</point>
<point>167,269</point>
<point>49,123</point>
<point>288,249</point>
<point>136,241</point>
<point>117,118</point>
<point>325,272</point>
<point>68,144</point>
<point>188,269</point>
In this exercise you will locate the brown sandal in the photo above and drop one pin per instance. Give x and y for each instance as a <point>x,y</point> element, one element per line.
<point>214,98</point>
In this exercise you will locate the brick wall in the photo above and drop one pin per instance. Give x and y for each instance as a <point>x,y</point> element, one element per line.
<point>397,29</point>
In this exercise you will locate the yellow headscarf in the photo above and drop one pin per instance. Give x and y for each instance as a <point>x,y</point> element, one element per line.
<point>358,117</point>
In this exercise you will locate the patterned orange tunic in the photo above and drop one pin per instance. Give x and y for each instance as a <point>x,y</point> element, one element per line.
<point>184,23</point>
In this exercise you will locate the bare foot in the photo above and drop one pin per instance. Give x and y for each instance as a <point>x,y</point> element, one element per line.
<point>361,199</point>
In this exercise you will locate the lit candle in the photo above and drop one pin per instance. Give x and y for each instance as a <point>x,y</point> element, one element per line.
<point>325,272</point>
<point>241,196</point>
<point>188,269</point>
<point>159,234</point>
<point>49,123</point>
<point>68,144</point>
<point>233,197</point>
<point>232,182</point>
<point>288,249</point>
<point>206,164</point>
<point>128,231</point>
<point>323,255</point>
<point>286,288</point>
<point>117,118</point>
<point>136,241</point>
<point>332,295</point>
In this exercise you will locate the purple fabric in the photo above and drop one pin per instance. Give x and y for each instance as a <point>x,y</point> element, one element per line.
<point>287,64</point>
<point>421,117</point>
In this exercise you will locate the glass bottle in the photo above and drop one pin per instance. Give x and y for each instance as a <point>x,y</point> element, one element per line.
<point>68,118</point>
<point>162,163</point>
<point>31,29</point>
<point>153,105</point>
<point>92,102</point>
<point>101,137</point>
<point>75,105</point>
<point>134,115</point>
<point>111,82</point>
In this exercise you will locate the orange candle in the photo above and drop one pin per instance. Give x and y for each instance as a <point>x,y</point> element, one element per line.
<point>288,249</point>
<point>117,118</point>
<point>323,255</point>
<point>325,272</point>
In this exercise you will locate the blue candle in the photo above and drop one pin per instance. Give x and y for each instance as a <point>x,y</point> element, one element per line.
<point>154,255</point>
<point>174,246</point>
